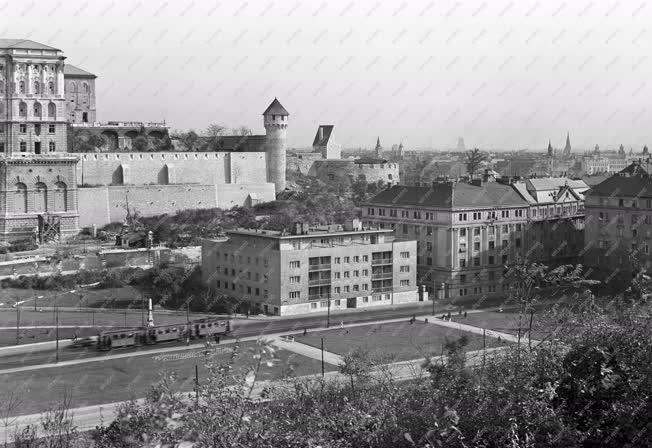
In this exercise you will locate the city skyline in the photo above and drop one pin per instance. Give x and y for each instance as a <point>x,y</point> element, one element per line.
<point>503,75</point>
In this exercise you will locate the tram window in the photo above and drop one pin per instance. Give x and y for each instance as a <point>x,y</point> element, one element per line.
<point>167,330</point>
<point>122,336</point>
<point>210,325</point>
<point>203,325</point>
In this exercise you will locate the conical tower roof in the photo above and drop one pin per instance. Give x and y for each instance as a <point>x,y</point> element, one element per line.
<point>276,108</point>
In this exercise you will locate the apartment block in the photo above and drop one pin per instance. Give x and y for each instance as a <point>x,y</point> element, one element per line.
<point>619,223</point>
<point>312,269</point>
<point>467,233</point>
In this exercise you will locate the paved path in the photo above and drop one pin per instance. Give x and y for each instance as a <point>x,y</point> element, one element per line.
<point>89,417</point>
<point>306,350</point>
<point>477,330</point>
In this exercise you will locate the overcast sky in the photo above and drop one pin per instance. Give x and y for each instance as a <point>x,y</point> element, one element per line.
<point>501,73</point>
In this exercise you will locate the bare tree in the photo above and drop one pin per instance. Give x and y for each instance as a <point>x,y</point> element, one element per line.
<point>242,131</point>
<point>10,404</point>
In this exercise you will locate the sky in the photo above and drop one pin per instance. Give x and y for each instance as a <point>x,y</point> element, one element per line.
<point>502,74</point>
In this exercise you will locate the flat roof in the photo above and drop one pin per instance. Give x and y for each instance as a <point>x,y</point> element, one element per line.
<point>275,234</point>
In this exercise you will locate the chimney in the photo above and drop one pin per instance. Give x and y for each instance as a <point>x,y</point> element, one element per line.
<point>321,133</point>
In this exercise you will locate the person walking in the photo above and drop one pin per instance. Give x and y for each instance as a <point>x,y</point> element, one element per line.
<point>341,324</point>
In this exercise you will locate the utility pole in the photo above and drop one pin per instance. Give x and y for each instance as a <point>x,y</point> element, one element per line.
<point>322,357</point>
<point>142,309</point>
<point>196,385</point>
<point>484,347</point>
<point>56,313</point>
<point>328,318</point>
<point>188,325</point>
<point>18,325</point>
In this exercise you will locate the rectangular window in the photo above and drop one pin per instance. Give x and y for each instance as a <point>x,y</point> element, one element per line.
<point>462,232</point>
<point>491,230</point>
<point>491,259</point>
<point>476,246</point>
<point>505,243</point>
<point>463,278</point>
<point>429,261</point>
<point>313,306</point>
<point>346,289</point>
<point>365,287</point>
<point>347,259</point>
<point>356,273</point>
<point>365,258</point>
<point>405,228</point>
<point>337,275</point>
<point>337,290</point>
<point>405,269</point>
<point>429,231</point>
<point>356,288</point>
<point>356,259</point>
<point>337,260</point>
<point>428,246</point>
<point>405,282</point>
<point>462,263</point>
<point>23,129</point>
<point>347,274</point>
<point>476,261</point>
<point>405,254</point>
<point>518,242</point>
<point>295,294</point>
<point>518,227</point>
<point>295,279</point>
<point>365,272</point>
<point>476,231</point>
<point>293,264</point>
<point>2,147</point>
<point>257,291</point>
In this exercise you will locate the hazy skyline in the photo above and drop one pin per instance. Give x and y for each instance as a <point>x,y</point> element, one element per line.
<point>501,74</point>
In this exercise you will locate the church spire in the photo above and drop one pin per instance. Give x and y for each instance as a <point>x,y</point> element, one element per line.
<point>567,148</point>
<point>550,150</point>
<point>378,147</point>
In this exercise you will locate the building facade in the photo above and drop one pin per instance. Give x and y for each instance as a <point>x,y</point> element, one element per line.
<point>312,269</point>
<point>468,233</point>
<point>619,223</point>
<point>80,95</point>
<point>37,177</point>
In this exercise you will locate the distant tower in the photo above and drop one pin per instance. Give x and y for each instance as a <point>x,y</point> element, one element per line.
<point>460,144</point>
<point>645,150</point>
<point>621,151</point>
<point>567,148</point>
<point>275,118</point>
<point>551,152</point>
<point>401,151</point>
<point>379,148</point>
<point>596,150</point>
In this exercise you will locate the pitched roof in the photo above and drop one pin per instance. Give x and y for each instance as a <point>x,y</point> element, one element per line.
<point>451,195</point>
<point>327,130</point>
<point>71,70</point>
<point>554,183</point>
<point>369,161</point>
<point>276,108</point>
<point>633,181</point>
<point>25,44</point>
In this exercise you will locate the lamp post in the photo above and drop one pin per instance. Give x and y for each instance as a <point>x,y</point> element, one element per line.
<point>328,316</point>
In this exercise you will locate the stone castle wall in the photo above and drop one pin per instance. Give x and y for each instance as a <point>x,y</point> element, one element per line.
<point>102,205</point>
<point>301,162</point>
<point>171,168</point>
<point>346,169</point>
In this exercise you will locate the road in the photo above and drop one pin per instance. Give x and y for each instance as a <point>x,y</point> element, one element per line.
<point>243,328</point>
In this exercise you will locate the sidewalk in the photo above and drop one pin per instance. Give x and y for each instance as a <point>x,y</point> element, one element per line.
<point>306,350</point>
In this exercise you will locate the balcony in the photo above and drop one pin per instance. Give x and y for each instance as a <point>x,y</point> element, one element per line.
<point>319,267</point>
<point>319,297</point>
<point>380,261</point>
<point>383,289</point>
<point>320,281</point>
<point>382,276</point>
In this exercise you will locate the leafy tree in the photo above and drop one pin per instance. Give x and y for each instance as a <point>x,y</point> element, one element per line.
<point>474,159</point>
<point>140,144</point>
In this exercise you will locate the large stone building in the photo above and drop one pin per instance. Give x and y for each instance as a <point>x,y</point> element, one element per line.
<point>619,223</point>
<point>312,269</point>
<point>47,191</point>
<point>467,233</point>
<point>38,184</point>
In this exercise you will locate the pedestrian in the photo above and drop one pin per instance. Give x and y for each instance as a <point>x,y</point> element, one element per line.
<point>464,314</point>
<point>449,315</point>
<point>425,320</point>
<point>341,324</point>
<point>305,331</point>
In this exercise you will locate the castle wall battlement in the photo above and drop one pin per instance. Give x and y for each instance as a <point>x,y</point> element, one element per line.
<point>121,168</point>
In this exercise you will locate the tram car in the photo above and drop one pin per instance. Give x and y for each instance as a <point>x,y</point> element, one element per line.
<point>129,337</point>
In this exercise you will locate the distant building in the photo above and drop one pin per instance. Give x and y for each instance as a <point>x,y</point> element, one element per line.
<point>460,144</point>
<point>596,165</point>
<point>312,269</point>
<point>556,229</point>
<point>379,149</point>
<point>567,148</point>
<point>619,222</point>
<point>466,233</point>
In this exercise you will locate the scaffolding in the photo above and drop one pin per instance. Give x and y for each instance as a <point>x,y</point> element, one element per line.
<point>49,228</point>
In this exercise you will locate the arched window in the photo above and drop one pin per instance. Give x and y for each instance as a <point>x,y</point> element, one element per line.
<point>61,197</point>
<point>38,110</point>
<point>41,198</point>
<point>86,89</point>
<point>21,87</point>
<point>37,87</point>
<point>20,198</point>
<point>51,88</point>
<point>52,146</point>
<point>73,87</point>
<point>23,146</point>
<point>22,109</point>
<point>52,110</point>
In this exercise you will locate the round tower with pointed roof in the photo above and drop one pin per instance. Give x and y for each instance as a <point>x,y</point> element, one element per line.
<point>275,119</point>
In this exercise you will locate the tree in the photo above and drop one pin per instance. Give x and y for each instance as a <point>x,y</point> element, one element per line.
<point>140,144</point>
<point>188,139</point>
<point>474,159</point>
<point>214,133</point>
<point>242,131</point>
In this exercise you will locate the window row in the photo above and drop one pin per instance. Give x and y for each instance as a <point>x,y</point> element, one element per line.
<point>232,286</point>
<point>40,198</point>
<point>241,259</point>
<point>37,110</point>
<point>36,147</point>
